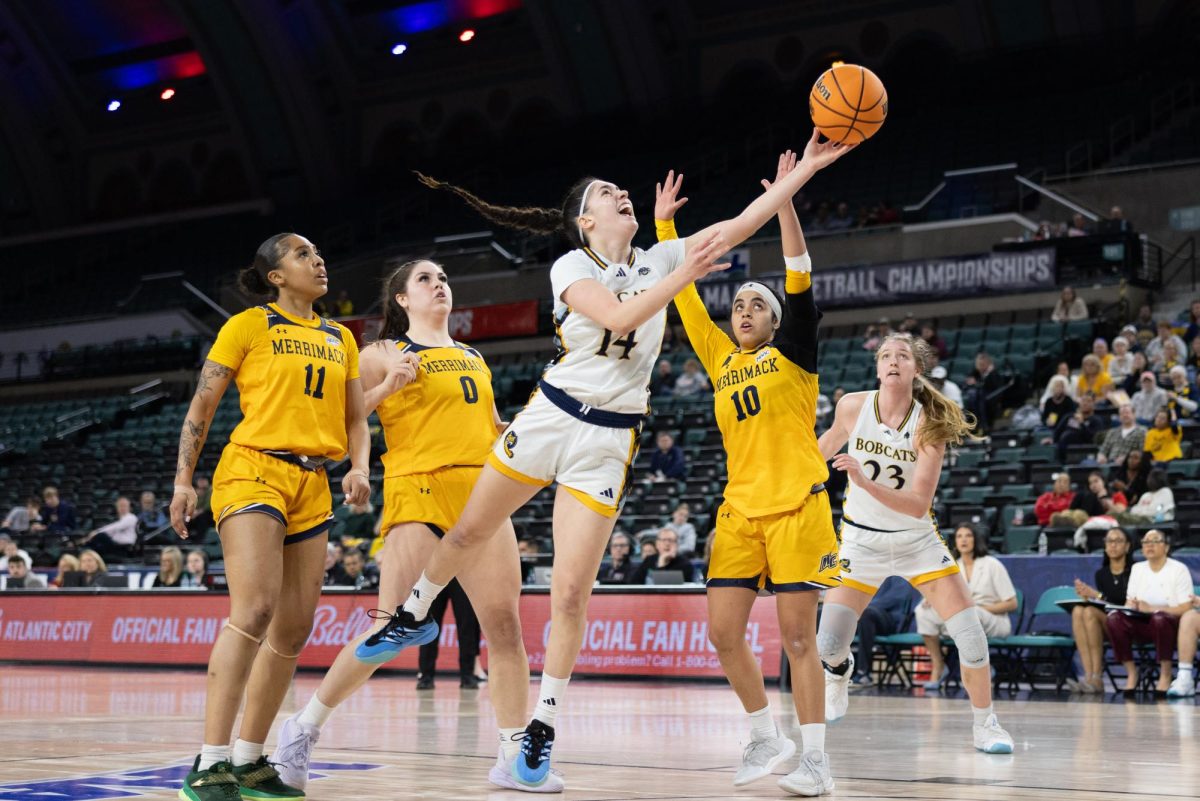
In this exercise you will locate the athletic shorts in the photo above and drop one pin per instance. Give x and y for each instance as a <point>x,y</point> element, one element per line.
<point>868,556</point>
<point>786,552</point>
<point>436,499</point>
<point>247,480</point>
<point>592,462</point>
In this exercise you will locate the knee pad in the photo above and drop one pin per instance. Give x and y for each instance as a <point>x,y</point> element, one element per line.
<point>835,633</point>
<point>967,632</point>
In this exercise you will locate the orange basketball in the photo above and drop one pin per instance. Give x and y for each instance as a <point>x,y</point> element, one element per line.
<point>848,103</point>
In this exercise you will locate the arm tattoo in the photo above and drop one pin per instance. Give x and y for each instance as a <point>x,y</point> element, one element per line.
<point>211,372</point>
<point>191,441</point>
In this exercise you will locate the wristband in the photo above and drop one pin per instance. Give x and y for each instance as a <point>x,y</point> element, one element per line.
<point>665,229</point>
<point>798,264</point>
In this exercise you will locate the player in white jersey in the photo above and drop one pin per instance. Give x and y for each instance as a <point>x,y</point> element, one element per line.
<point>896,440</point>
<point>582,425</point>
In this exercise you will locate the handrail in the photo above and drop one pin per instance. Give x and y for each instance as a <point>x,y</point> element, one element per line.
<point>925,200</point>
<point>1070,204</point>
<point>206,299</point>
<point>1187,259</point>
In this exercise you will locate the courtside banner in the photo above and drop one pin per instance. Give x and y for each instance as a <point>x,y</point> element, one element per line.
<point>910,281</point>
<point>650,635</point>
<point>470,324</point>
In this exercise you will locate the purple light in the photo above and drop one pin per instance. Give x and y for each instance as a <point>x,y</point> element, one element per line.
<point>113,105</point>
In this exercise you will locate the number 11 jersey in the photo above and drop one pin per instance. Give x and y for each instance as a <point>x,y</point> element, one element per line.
<point>888,457</point>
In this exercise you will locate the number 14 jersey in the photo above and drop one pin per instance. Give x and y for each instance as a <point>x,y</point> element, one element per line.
<point>888,457</point>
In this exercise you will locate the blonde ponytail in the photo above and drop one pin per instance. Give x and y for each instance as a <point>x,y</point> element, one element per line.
<point>942,421</point>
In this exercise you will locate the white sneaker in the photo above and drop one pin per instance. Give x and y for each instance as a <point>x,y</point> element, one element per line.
<point>1184,686</point>
<point>837,693</point>
<point>991,739</point>
<point>294,751</point>
<point>811,778</point>
<point>501,775</point>
<point>761,757</point>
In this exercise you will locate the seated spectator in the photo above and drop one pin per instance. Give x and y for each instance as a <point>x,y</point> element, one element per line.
<point>1092,379</point>
<point>982,397</point>
<point>20,577</point>
<point>663,381</point>
<point>620,564</point>
<point>1154,348</point>
<point>1181,395</point>
<point>1120,363</point>
<point>1171,358</point>
<point>170,568</point>
<point>667,558</point>
<point>9,549</point>
<point>1193,359</point>
<point>1131,478</point>
<point>820,222</point>
<point>991,589</point>
<point>668,461</point>
<point>842,219</point>
<point>1148,400</point>
<point>58,515</point>
<point>934,340</point>
<point>196,575</point>
<point>1162,587</point>
<point>1059,404</point>
<point>355,572</point>
<point>118,536</point>
<point>202,518</point>
<point>1144,323</point>
<point>876,334</point>
<point>888,214</point>
<point>67,563</point>
<point>1088,622</point>
<point>335,575</point>
<point>359,524</point>
<point>1164,437</point>
<point>1100,351</point>
<point>1156,504</point>
<point>684,530</point>
<point>939,379</point>
<point>1069,307</point>
<point>1133,381</point>
<point>1190,321</point>
<point>92,569</point>
<point>1058,499</point>
<point>647,547</point>
<point>1184,685</point>
<point>909,325</point>
<point>150,516</point>
<point>885,614</point>
<point>1080,428</point>
<point>1079,226</point>
<point>20,518</point>
<point>343,306</point>
<point>1120,441</point>
<point>1097,501</point>
<point>692,382</point>
<point>1044,231</point>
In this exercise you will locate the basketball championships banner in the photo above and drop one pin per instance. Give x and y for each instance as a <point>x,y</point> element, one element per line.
<point>659,634</point>
<point>910,281</point>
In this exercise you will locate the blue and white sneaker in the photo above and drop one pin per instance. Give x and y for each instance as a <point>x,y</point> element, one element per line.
<point>991,739</point>
<point>501,775</point>
<point>532,767</point>
<point>401,631</point>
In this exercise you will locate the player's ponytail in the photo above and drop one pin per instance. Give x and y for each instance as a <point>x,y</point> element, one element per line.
<point>533,219</point>
<point>253,279</point>
<point>395,318</point>
<point>942,421</point>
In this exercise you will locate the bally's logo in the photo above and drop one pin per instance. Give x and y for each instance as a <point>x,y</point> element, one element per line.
<point>828,562</point>
<point>510,442</point>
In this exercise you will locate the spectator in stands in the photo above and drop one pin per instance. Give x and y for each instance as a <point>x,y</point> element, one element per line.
<point>984,385</point>
<point>1100,351</point>
<point>863,218</point>
<point>170,567</point>
<point>21,518</point>
<point>1162,587</point>
<point>991,588</point>
<point>1170,358</point>
<point>1069,307</point>
<point>1044,231</point>
<point>820,222</point>
<point>1164,437</point>
<point>335,576</point>
<point>692,382</point>
<point>1080,428</point>
<point>929,333</point>
<point>876,334</point>
<point>1120,363</point>
<point>9,549</point>
<point>93,568</point>
<point>1156,504</point>
<point>1088,622</point>
<point>355,573</point>
<point>620,560</point>
<point>1149,399</point>
<point>118,536</point>
<point>1154,348</point>
<point>343,306</point>
<point>58,515</point>
<point>841,220</point>
<point>196,575</point>
<point>1145,325</point>
<point>838,392</point>
<point>1097,501</point>
<point>887,213</point>
<point>667,558</point>
<point>1120,441</point>
<point>1181,395</point>
<point>150,515</point>
<point>202,519</point>
<point>684,530</point>
<point>647,545</point>
<point>668,462</point>
<point>1131,479</point>
<point>67,563</point>
<point>1058,499</point>
<point>359,524</point>
<point>909,324</point>
<point>20,577</point>
<point>1193,359</point>
<point>1079,226</point>
<point>663,381</point>
<point>1059,405</point>
<point>938,377</point>
<point>1190,322</point>
<point>884,615</point>
<point>1092,379</point>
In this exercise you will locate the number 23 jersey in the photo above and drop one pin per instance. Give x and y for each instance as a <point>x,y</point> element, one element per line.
<point>888,457</point>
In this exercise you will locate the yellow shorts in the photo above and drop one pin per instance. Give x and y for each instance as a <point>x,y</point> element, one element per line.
<point>247,480</point>
<point>435,499</point>
<point>786,552</point>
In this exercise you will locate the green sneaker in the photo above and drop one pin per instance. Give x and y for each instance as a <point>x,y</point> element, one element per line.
<point>215,784</point>
<point>259,781</point>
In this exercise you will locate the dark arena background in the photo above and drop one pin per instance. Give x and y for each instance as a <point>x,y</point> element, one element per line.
<point>1030,208</point>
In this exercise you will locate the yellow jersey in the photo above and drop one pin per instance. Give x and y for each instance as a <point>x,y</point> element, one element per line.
<point>1164,443</point>
<point>291,375</point>
<point>444,418</point>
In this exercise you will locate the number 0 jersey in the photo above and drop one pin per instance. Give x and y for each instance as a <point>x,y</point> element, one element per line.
<point>444,418</point>
<point>887,457</point>
<point>605,369</point>
<point>292,376</point>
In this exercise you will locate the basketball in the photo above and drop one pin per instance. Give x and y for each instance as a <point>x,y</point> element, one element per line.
<point>848,103</point>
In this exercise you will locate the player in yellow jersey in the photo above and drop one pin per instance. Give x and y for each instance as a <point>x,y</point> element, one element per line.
<point>434,400</point>
<point>775,527</point>
<point>302,408</point>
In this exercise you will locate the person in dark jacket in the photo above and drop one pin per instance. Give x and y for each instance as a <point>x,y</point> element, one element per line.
<point>668,461</point>
<point>668,558</point>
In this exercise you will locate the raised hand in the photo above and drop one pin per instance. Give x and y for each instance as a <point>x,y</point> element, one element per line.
<point>821,154</point>
<point>700,260</point>
<point>787,163</point>
<point>665,194</point>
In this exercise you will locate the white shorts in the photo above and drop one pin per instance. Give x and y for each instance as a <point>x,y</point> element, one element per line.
<point>593,462</point>
<point>867,558</point>
<point>930,623</point>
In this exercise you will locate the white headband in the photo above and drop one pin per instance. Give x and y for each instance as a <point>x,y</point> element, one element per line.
<point>583,205</point>
<point>767,295</point>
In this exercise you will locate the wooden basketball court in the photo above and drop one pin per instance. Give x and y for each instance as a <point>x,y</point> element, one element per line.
<point>87,734</point>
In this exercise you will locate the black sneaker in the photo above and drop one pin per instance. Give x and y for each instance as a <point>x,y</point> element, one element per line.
<point>469,682</point>
<point>424,682</point>
<point>532,766</point>
<point>214,784</point>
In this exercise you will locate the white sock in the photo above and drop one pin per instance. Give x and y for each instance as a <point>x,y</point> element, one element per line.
<point>245,753</point>
<point>762,725</point>
<point>423,593</point>
<point>550,698</point>
<point>812,737</point>
<point>511,747</point>
<point>1185,668</point>
<point>315,713</point>
<point>981,715</point>
<point>212,754</point>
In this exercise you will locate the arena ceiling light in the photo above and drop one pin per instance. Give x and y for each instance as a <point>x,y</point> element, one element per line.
<point>167,94</point>
<point>113,105</point>
<point>467,35</point>
<point>399,49</point>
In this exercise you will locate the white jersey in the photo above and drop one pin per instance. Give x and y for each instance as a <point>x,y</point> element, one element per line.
<point>607,370</point>
<point>889,458</point>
